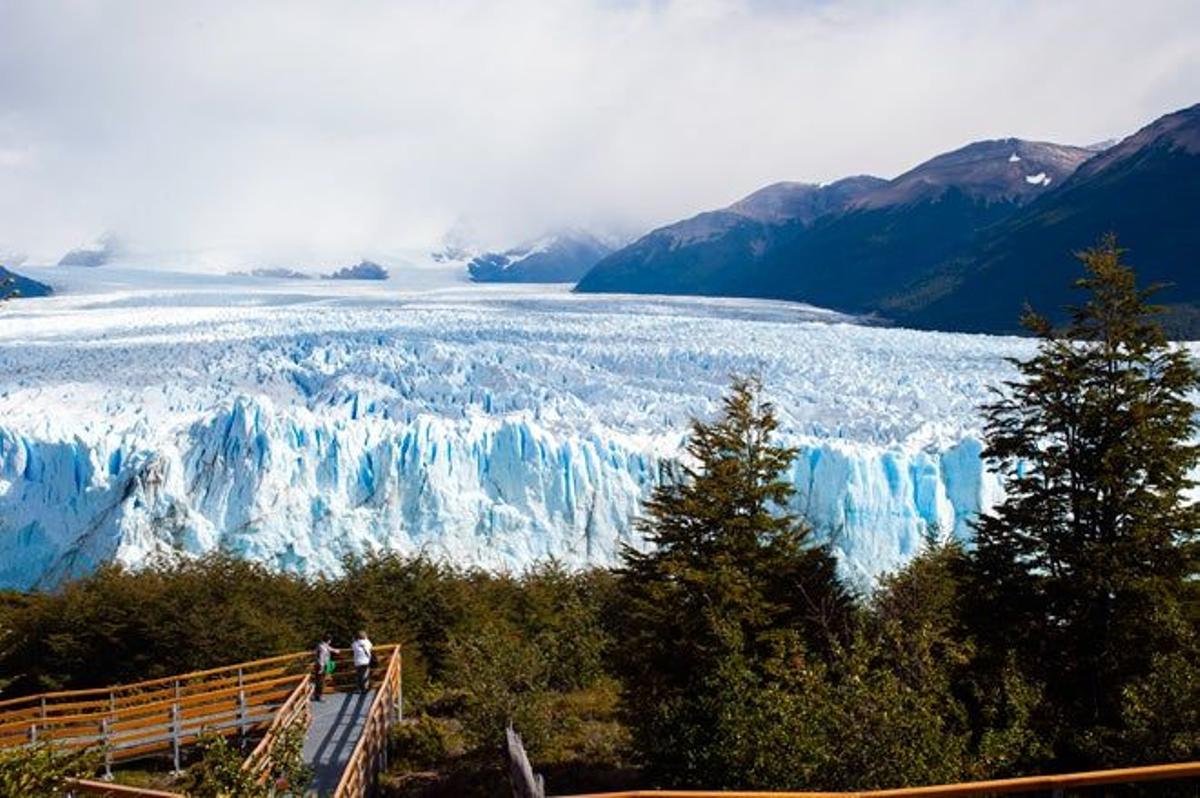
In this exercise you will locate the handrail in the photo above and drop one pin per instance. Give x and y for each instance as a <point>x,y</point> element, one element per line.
<point>265,698</point>
<point>162,680</point>
<point>370,752</point>
<point>79,787</point>
<point>1094,778</point>
<point>143,718</point>
<point>295,710</point>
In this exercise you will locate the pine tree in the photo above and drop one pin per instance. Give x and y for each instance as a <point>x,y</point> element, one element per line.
<point>731,580</point>
<point>1083,570</point>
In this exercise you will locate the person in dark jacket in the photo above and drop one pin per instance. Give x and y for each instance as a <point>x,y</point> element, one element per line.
<point>322,665</point>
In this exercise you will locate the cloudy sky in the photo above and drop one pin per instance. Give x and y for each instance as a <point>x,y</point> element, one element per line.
<point>338,129</point>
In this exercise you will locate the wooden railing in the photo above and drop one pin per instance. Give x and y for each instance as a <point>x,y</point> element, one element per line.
<point>131,721</point>
<point>1185,771</point>
<point>295,714</point>
<point>369,756</point>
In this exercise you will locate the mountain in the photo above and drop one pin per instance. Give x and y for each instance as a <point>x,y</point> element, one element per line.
<point>559,258</point>
<point>841,244</point>
<point>1146,189</point>
<point>97,253</point>
<point>21,286</point>
<point>961,242</point>
<point>274,272</point>
<point>363,270</point>
<point>708,253</point>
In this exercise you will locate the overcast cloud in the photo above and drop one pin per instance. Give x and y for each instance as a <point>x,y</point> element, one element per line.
<point>367,127</point>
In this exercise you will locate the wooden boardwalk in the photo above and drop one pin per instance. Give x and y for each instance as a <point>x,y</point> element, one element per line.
<point>345,735</point>
<point>337,722</point>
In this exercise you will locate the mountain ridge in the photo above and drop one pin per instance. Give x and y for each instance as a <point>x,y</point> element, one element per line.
<point>910,248</point>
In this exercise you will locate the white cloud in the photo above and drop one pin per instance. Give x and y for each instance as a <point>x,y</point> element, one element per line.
<point>310,127</point>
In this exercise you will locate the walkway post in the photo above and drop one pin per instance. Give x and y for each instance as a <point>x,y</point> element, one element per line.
<point>104,734</point>
<point>175,734</point>
<point>241,705</point>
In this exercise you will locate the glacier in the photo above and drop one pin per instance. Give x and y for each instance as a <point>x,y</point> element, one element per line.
<point>142,416</point>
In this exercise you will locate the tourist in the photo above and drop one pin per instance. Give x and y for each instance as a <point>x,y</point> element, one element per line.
<point>362,660</point>
<point>323,666</point>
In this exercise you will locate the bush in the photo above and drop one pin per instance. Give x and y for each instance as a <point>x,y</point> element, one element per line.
<point>42,770</point>
<point>505,679</point>
<point>422,744</point>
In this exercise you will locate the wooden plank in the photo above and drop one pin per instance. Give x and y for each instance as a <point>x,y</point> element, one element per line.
<point>103,788</point>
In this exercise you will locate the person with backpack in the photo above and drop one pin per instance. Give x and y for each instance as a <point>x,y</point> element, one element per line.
<point>323,666</point>
<point>363,658</point>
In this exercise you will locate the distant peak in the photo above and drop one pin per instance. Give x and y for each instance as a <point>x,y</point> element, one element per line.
<point>363,270</point>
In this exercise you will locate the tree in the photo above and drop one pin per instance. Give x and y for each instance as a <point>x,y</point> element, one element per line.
<point>731,583</point>
<point>1083,570</point>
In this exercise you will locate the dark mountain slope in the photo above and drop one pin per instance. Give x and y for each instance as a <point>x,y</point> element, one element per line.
<point>1145,189</point>
<point>719,252</point>
<point>844,245</point>
<point>15,285</point>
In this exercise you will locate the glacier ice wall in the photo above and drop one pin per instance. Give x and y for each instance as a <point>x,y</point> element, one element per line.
<point>298,493</point>
<point>486,428</point>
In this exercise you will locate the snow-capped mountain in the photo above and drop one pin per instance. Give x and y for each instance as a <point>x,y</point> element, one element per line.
<point>363,270</point>
<point>296,426</point>
<point>559,258</point>
<point>97,253</point>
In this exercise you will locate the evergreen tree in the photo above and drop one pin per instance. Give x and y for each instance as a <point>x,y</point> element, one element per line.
<point>1083,570</point>
<point>731,580</point>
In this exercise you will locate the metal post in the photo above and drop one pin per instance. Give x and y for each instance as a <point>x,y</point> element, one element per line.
<point>43,707</point>
<point>175,734</point>
<point>104,734</point>
<point>33,733</point>
<point>242,711</point>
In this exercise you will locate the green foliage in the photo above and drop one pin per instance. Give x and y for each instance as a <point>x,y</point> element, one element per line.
<point>422,744</point>
<point>42,770</point>
<point>1082,572</point>
<point>219,773</point>
<point>120,626</point>
<point>505,678</point>
<point>1161,712</point>
<point>290,774</point>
